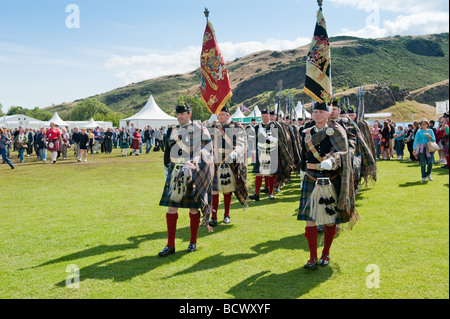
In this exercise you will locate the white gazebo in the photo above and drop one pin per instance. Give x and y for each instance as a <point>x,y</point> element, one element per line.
<point>57,120</point>
<point>256,114</point>
<point>238,115</point>
<point>300,109</point>
<point>151,115</point>
<point>91,124</point>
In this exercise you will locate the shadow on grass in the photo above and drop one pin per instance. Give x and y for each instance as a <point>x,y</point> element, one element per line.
<point>134,242</point>
<point>219,260</point>
<point>290,285</point>
<point>409,184</point>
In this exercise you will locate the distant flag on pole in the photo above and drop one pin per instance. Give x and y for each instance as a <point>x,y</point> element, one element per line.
<point>318,64</point>
<point>244,109</point>
<point>215,87</point>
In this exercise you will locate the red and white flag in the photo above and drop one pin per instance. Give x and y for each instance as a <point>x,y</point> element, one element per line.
<point>215,87</point>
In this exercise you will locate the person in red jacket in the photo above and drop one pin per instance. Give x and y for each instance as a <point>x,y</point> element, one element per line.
<point>53,136</point>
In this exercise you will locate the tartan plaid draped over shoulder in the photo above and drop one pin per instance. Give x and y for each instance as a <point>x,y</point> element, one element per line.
<point>238,143</point>
<point>203,168</point>
<point>366,147</point>
<point>285,151</point>
<point>198,168</point>
<point>346,200</point>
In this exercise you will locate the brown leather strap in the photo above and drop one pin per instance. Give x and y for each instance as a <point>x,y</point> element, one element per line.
<point>315,167</point>
<point>311,147</point>
<point>315,179</point>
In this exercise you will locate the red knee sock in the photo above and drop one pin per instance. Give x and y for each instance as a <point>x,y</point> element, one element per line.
<point>274,183</point>
<point>266,182</point>
<point>195,221</point>
<point>258,183</point>
<point>328,233</point>
<point>271,182</point>
<point>311,234</point>
<point>215,205</point>
<point>447,158</point>
<point>227,203</point>
<point>171,228</point>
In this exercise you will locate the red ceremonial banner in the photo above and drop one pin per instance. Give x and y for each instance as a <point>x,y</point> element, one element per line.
<point>215,87</point>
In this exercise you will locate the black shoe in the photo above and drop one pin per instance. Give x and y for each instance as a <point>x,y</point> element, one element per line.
<point>226,220</point>
<point>444,167</point>
<point>254,197</point>
<point>271,197</point>
<point>311,264</point>
<point>264,190</point>
<point>167,251</point>
<point>324,260</point>
<point>213,222</point>
<point>191,248</point>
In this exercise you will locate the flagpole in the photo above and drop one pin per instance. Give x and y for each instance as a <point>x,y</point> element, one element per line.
<point>319,2</point>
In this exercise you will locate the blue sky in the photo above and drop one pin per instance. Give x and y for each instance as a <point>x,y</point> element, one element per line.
<point>44,62</point>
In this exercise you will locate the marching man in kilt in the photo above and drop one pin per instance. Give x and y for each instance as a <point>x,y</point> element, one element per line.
<point>189,169</point>
<point>266,165</point>
<point>54,138</point>
<point>327,192</point>
<point>229,143</point>
<point>274,162</point>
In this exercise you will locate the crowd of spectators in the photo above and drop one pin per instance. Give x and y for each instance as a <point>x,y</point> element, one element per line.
<point>391,140</point>
<point>81,142</point>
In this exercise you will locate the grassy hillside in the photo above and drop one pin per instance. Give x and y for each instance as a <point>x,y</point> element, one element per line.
<point>409,63</point>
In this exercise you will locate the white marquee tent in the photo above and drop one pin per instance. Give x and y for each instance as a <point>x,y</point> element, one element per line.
<point>151,115</point>
<point>299,110</point>
<point>57,120</point>
<point>256,114</point>
<point>238,115</point>
<point>91,124</point>
<point>14,121</point>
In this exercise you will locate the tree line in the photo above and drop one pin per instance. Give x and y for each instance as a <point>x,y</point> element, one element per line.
<point>93,108</point>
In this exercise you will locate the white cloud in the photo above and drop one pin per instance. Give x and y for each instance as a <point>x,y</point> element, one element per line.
<point>396,6</point>
<point>142,67</point>
<point>413,17</point>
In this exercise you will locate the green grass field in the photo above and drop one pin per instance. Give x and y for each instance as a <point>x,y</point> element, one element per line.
<point>103,218</point>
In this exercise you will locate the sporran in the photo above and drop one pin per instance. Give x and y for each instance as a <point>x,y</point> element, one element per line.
<point>323,202</point>
<point>178,187</point>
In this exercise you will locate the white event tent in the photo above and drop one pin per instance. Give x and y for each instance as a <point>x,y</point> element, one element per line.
<point>300,109</point>
<point>238,115</point>
<point>57,120</point>
<point>91,124</point>
<point>256,114</point>
<point>151,115</point>
<point>14,121</point>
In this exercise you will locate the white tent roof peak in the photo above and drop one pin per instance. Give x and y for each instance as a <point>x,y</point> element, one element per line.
<point>57,120</point>
<point>238,114</point>
<point>152,111</point>
<point>91,124</point>
<point>256,112</point>
<point>299,110</point>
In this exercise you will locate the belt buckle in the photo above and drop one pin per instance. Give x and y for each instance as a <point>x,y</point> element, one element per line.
<point>323,181</point>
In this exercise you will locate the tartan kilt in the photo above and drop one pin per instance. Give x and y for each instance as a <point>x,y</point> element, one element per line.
<point>307,189</point>
<point>55,146</point>
<point>187,201</point>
